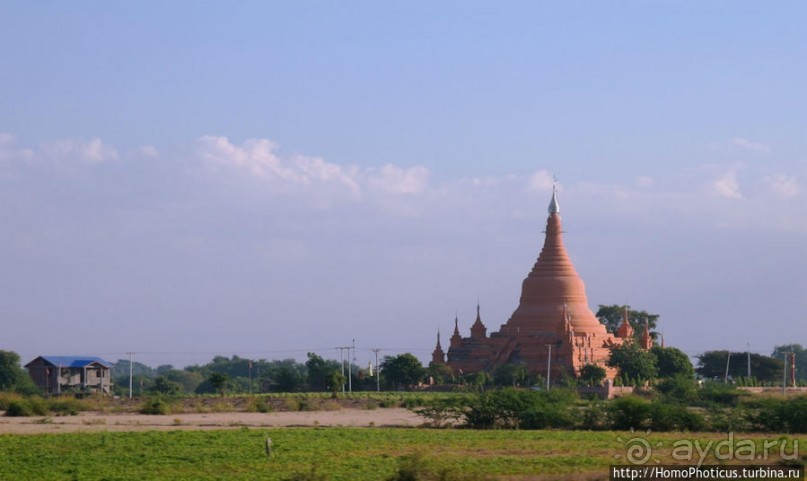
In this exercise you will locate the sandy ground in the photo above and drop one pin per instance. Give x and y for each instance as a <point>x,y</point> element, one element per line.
<point>96,421</point>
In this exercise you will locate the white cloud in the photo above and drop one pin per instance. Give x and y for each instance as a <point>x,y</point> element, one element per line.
<point>728,186</point>
<point>542,180</point>
<point>9,150</point>
<point>783,185</point>
<point>258,159</point>
<point>149,151</point>
<point>93,151</point>
<point>399,180</point>
<point>748,145</point>
<point>644,181</point>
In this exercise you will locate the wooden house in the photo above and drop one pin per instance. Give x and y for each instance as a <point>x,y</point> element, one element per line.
<point>71,374</point>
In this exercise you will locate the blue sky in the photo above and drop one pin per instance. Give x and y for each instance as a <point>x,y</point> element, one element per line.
<point>184,179</point>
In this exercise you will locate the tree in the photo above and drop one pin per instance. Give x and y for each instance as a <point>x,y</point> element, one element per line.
<point>10,372</point>
<point>334,382</point>
<point>511,374</point>
<point>441,373</point>
<point>163,385</point>
<point>634,363</point>
<point>187,380</point>
<point>319,372</point>
<point>592,375</point>
<point>672,362</point>
<point>612,315</point>
<point>402,370</point>
<point>712,365</point>
<point>801,358</point>
<point>219,382</point>
<point>287,379</point>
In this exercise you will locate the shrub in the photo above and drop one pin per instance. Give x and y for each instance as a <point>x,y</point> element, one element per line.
<point>719,393</point>
<point>65,407</point>
<point>155,406</point>
<point>18,408</point>
<point>779,415</point>
<point>682,389</point>
<point>6,398</point>
<point>669,417</point>
<point>629,412</point>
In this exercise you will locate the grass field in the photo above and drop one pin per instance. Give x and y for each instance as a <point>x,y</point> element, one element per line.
<point>337,454</point>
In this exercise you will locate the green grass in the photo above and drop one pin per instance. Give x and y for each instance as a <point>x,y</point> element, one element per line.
<point>338,453</point>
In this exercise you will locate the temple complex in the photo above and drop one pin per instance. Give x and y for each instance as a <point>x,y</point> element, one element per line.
<point>552,326</point>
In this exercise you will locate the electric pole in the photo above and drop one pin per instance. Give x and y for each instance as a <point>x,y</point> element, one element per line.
<point>350,365</point>
<point>131,373</point>
<point>728,360</point>
<point>377,372</point>
<point>342,362</point>
<point>548,365</point>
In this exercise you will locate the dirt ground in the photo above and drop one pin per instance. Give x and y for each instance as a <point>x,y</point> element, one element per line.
<point>96,421</point>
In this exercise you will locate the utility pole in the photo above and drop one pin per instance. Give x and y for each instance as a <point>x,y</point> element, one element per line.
<point>131,373</point>
<point>548,365</point>
<point>728,360</point>
<point>792,369</point>
<point>350,365</point>
<point>250,377</point>
<point>784,375</point>
<point>377,372</point>
<point>342,362</point>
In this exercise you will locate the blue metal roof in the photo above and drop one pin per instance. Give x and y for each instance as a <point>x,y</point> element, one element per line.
<point>75,361</point>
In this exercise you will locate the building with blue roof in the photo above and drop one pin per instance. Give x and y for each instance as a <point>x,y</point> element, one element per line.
<point>71,374</point>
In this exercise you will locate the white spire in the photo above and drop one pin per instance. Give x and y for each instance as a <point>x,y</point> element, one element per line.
<point>554,207</point>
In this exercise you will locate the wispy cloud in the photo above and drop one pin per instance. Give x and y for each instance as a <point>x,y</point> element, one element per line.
<point>400,180</point>
<point>9,149</point>
<point>783,185</point>
<point>727,186</point>
<point>542,180</point>
<point>258,158</point>
<point>745,144</point>
<point>93,151</point>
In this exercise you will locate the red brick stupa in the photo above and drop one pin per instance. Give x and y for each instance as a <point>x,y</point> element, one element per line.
<point>552,316</point>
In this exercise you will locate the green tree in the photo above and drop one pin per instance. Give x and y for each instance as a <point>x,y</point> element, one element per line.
<point>187,380</point>
<point>163,385</point>
<point>402,371</point>
<point>511,374</point>
<point>592,375</point>
<point>319,372</point>
<point>672,362</point>
<point>633,362</point>
<point>288,379</point>
<point>219,382</point>
<point>712,365</point>
<point>334,382</point>
<point>10,372</point>
<point>612,315</point>
<point>441,373</point>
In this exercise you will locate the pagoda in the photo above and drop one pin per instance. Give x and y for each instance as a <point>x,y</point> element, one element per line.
<point>552,319</point>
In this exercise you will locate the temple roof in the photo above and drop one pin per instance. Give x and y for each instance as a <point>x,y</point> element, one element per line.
<point>552,283</point>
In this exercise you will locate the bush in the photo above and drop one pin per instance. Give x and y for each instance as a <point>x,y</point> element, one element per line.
<point>511,409</point>
<point>65,407</point>
<point>18,409</point>
<point>6,398</point>
<point>779,415</point>
<point>155,406</point>
<point>681,389</point>
<point>670,417</point>
<point>719,393</point>
<point>629,412</point>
